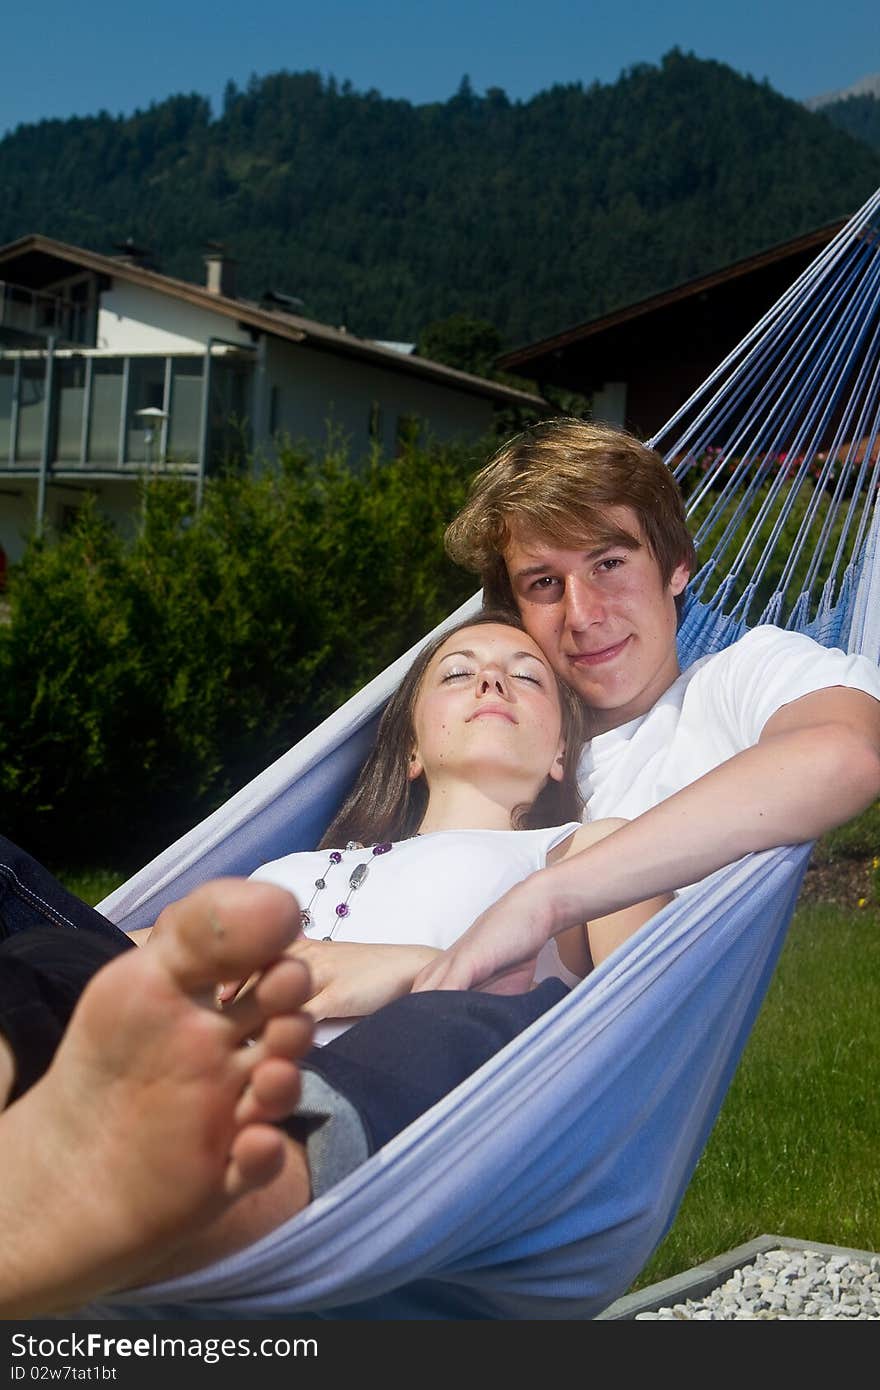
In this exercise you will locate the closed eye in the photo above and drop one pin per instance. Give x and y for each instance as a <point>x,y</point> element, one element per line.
<point>526,676</point>
<point>455,676</point>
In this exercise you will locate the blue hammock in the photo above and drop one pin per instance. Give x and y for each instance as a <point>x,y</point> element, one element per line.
<point>540,1187</point>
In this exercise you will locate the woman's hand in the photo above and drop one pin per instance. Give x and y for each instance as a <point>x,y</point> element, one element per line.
<point>350,978</point>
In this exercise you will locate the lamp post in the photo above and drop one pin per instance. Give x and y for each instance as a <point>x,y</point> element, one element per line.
<point>153,419</point>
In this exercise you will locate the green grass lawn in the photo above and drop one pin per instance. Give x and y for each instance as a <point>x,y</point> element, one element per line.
<point>92,885</point>
<point>795,1148</point>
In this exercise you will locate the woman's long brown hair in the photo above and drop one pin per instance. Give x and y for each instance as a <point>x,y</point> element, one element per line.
<point>384,804</point>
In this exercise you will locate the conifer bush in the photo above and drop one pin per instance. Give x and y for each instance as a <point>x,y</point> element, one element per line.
<point>143,680</point>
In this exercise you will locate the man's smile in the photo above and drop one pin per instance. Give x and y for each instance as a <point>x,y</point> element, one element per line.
<point>598,657</point>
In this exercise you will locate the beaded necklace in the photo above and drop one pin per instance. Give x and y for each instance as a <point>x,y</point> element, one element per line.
<point>355,880</point>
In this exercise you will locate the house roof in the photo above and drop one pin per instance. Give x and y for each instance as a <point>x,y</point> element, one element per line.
<point>533,357</point>
<point>37,257</point>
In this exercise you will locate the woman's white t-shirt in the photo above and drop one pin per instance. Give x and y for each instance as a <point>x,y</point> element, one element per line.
<point>424,891</point>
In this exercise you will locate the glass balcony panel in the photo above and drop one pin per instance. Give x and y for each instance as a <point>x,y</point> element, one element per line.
<point>186,410</point>
<point>105,410</point>
<point>71,377</point>
<point>7,383</point>
<point>31,410</point>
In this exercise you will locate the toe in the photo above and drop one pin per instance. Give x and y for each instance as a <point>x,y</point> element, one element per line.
<point>257,1156</point>
<point>289,1036</point>
<point>226,929</point>
<point>272,1094</point>
<point>281,991</point>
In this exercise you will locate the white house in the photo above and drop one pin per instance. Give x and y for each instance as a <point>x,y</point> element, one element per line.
<point>109,369</point>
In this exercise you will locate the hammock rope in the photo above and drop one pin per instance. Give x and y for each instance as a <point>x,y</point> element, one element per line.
<point>793,406</point>
<point>541,1185</point>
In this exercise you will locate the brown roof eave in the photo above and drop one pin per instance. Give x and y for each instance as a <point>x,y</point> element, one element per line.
<point>288,326</point>
<point>523,356</point>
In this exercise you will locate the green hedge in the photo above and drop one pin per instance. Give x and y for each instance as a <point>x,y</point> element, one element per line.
<point>144,680</point>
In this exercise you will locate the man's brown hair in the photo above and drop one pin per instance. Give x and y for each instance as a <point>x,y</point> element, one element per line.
<point>554,483</point>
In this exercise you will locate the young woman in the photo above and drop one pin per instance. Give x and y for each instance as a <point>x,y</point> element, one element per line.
<point>470,787</point>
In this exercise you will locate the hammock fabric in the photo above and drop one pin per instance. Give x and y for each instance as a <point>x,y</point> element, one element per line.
<point>540,1187</point>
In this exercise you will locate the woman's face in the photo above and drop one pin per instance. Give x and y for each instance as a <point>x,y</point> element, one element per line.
<point>488,702</point>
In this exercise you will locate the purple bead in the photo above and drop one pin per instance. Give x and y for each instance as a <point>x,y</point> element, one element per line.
<point>335,857</point>
<point>342,909</point>
<point>382,849</point>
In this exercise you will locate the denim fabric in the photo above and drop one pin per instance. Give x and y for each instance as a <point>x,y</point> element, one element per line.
<point>51,944</point>
<point>43,972</point>
<point>30,896</point>
<point>397,1063</point>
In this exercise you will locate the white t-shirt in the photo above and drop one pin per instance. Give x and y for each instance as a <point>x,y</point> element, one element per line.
<point>425,891</point>
<point>717,708</point>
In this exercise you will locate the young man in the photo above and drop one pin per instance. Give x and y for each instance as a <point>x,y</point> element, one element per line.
<point>773,741</point>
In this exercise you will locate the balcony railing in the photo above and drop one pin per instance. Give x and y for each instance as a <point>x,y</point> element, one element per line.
<point>43,316</point>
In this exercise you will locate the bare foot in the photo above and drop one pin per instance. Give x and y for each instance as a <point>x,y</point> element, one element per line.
<point>155,1115</point>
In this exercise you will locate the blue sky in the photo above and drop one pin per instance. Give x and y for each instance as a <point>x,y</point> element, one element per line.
<point>60,59</point>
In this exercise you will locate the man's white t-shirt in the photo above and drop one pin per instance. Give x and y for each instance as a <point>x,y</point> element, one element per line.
<point>716,708</point>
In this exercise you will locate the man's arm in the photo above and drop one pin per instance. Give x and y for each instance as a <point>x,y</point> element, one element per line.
<point>815,766</point>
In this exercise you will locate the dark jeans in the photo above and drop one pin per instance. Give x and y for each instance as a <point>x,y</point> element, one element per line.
<point>51,944</point>
<point>397,1063</point>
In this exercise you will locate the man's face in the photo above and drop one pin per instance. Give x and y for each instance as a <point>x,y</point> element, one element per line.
<point>603,617</point>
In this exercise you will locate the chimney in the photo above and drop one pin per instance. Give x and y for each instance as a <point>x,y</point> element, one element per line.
<point>219,271</point>
<point>131,254</point>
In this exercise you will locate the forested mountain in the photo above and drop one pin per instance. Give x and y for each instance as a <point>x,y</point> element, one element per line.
<point>385,216</point>
<point>858,116</point>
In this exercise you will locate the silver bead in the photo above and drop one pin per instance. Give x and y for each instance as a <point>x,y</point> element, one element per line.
<point>358,874</point>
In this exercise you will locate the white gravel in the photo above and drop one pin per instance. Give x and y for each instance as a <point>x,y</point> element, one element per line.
<point>787,1284</point>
